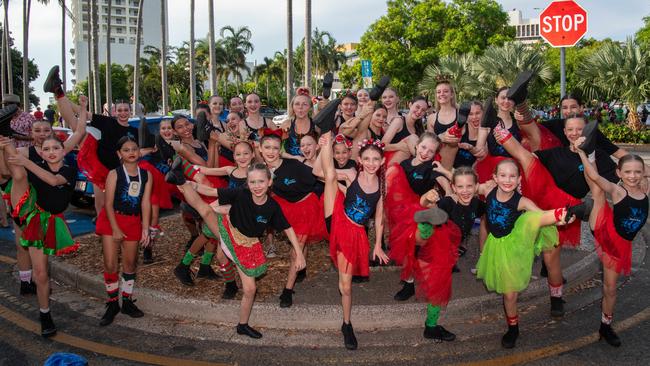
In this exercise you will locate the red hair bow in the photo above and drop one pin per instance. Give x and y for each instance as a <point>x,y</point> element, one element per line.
<point>267,131</point>
<point>341,139</point>
<point>303,90</point>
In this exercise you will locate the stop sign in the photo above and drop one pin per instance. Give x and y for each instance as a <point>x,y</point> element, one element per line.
<point>563,23</point>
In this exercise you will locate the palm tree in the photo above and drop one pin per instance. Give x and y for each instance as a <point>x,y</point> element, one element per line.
<point>289,86</point>
<point>459,68</point>
<point>500,65</point>
<point>136,68</point>
<point>91,81</point>
<point>3,76</point>
<point>27,6</point>
<point>64,11</point>
<point>236,46</point>
<point>109,88</point>
<point>191,61</point>
<point>95,43</point>
<point>213,56</point>
<point>617,72</point>
<point>163,57</point>
<point>9,67</point>
<point>307,43</point>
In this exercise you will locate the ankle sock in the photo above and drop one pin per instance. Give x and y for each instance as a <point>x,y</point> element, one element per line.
<point>425,230</point>
<point>607,318</point>
<point>25,276</point>
<point>128,280</point>
<point>555,290</point>
<point>433,313</point>
<point>112,286</point>
<point>525,111</point>
<point>228,271</point>
<point>206,259</point>
<point>189,170</point>
<point>512,320</point>
<point>44,311</point>
<point>188,258</point>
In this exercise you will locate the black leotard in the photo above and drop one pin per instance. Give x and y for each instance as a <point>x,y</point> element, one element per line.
<point>123,203</point>
<point>465,157</point>
<point>439,128</point>
<point>630,215</point>
<point>497,150</point>
<point>401,134</point>
<point>292,143</point>
<point>501,216</point>
<point>255,133</point>
<point>421,178</point>
<point>360,206</point>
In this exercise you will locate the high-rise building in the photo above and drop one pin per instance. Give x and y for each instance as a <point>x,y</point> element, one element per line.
<point>124,20</point>
<point>527,30</point>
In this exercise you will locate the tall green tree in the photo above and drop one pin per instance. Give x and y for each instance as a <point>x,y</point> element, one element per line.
<point>643,34</point>
<point>415,33</point>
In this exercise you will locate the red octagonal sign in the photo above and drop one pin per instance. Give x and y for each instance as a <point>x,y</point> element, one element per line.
<point>563,23</point>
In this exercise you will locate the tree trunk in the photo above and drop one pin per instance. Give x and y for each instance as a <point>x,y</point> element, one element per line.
<point>289,84</point>
<point>3,75</point>
<point>633,120</point>
<point>10,76</point>
<point>308,43</point>
<point>95,39</point>
<point>136,69</point>
<point>63,58</point>
<point>27,5</point>
<point>109,86</point>
<point>163,56</point>
<point>91,81</point>
<point>213,56</point>
<point>191,61</point>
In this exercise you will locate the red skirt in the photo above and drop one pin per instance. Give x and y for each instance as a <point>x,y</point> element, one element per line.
<point>160,194</point>
<point>131,226</point>
<point>485,168</point>
<point>400,205</point>
<point>434,263</point>
<point>89,164</point>
<point>349,239</point>
<point>305,217</point>
<point>614,251</point>
<point>225,162</point>
<point>538,185</point>
<point>547,139</point>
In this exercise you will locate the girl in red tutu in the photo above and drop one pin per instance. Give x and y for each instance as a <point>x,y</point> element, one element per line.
<point>405,183</point>
<point>293,185</point>
<point>39,194</point>
<point>124,222</point>
<point>346,213</point>
<point>437,246</point>
<point>615,227</point>
<point>252,211</point>
<point>402,133</point>
<point>554,178</point>
<point>368,125</point>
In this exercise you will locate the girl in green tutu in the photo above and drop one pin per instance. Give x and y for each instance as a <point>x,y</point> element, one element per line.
<point>519,231</point>
<point>40,193</point>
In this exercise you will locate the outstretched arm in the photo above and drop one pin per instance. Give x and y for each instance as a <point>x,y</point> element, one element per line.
<point>42,174</point>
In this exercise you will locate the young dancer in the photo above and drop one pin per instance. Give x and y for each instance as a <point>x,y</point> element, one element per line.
<point>614,227</point>
<point>390,101</point>
<point>236,105</point>
<point>293,186</point>
<point>254,121</point>
<point>468,151</point>
<point>519,231</point>
<point>405,183</point>
<point>40,193</point>
<point>437,246</point>
<point>363,97</point>
<point>124,222</point>
<point>442,119</point>
<point>252,211</point>
<point>396,138</point>
<point>298,125</point>
<point>346,213</point>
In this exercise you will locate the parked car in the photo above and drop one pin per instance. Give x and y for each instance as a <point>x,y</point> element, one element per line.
<point>269,112</point>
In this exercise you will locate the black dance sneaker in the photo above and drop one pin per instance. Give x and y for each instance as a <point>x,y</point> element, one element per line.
<point>146,139</point>
<point>519,89</point>
<point>349,339</point>
<point>129,308</point>
<point>609,335</point>
<point>286,299</point>
<point>463,113</point>
<point>582,210</point>
<point>490,118</point>
<point>53,81</point>
<point>328,81</point>
<point>557,307</point>
<point>202,132</point>
<point>112,309</point>
<point>379,88</point>
<point>230,291</point>
<point>48,328</point>
<point>175,174</point>
<point>509,340</point>
<point>301,275</point>
<point>247,330</point>
<point>206,272</point>
<point>184,274</point>
<point>438,333</point>
<point>326,118</point>
<point>27,288</point>
<point>165,150</point>
<point>590,133</point>
<point>407,291</point>
<point>6,114</point>
<point>147,255</point>
<point>433,216</point>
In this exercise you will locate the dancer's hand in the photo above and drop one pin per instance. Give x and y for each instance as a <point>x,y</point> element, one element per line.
<point>448,138</point>
<point>300,261</point>
<point>519,117</point>
<point>378,254</point>
<point>18,160</point>
<point>576,144</point>
<point>118,235</point>
<point>144,238</point>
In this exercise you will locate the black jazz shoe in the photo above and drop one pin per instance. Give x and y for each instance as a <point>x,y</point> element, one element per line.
<point>112,309</point>
<point>406,292</point>
<point>439,334</point>
<point>609,335</point>
<point>247,330</point>
<point>509,340</point>
<point>48,328</point>
<point>349,339</point>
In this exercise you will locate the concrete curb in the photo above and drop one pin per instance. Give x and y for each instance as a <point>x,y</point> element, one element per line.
<point>327,317</point>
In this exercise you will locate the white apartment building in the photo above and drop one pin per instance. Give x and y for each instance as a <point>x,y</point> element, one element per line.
<point>124,19</point>
<point>527,30</point>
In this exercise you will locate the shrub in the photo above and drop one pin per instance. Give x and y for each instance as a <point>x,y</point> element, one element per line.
<point>623,134</point>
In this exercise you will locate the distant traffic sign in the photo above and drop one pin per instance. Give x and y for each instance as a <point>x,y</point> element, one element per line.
<point>563,23</point>
<point>366,68</point>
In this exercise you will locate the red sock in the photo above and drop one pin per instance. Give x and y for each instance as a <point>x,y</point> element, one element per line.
<point>111,281</point>
<point>228,271</point>
<point>512,320</point>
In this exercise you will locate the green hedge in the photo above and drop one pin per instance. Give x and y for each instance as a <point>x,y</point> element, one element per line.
<point>622,134</point>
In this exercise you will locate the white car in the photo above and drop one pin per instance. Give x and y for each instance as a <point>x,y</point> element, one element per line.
<point>278,120</point>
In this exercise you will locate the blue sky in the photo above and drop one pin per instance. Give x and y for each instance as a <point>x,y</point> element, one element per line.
<point>346,20</point>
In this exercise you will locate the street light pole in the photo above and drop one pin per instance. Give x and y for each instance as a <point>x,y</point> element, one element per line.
<point>562,71</point>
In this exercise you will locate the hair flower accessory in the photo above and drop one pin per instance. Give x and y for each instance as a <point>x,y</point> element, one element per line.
<point>367,142</point>
<point>341,139</point>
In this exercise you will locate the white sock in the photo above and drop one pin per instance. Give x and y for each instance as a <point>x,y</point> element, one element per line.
<point>25,276</point>
<point>44,311</point>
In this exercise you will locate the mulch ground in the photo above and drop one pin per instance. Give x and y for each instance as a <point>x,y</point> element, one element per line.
<point>169,250</point>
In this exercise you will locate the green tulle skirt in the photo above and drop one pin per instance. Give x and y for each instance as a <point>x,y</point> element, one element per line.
<point>506,263</point>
